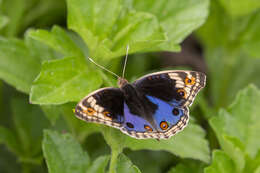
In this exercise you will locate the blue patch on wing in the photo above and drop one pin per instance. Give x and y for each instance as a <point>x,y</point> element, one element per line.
<point>164,112</point>
<point>133,122</point>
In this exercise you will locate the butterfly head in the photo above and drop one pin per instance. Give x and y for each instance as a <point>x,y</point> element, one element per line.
<point>121,82</point>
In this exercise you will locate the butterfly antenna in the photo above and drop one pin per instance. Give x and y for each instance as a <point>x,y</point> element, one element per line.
<point>123,74</point>
<point>103,67</point>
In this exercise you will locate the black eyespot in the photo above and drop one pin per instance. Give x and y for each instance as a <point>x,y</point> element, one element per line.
<point>189,81</point>
<point>107,114</point>
<point>130,125</point>
<point>181,93</point>
<point>175,111</point>
<point>164,125</point>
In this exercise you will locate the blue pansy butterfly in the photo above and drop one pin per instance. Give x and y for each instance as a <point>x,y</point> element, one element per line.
<point>154,106</point>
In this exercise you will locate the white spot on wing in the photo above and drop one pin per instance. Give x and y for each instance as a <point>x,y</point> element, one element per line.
<point>179,86</point>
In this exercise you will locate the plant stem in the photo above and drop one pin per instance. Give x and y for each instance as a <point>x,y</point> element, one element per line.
<point>113,161</point>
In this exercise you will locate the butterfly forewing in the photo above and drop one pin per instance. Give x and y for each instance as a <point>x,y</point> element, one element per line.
<point>104,106</point>
<point>173,86</point>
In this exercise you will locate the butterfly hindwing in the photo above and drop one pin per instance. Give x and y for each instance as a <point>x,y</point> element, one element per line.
<point>167,115</point>
<point>104,106</point>
<point>166,121</point>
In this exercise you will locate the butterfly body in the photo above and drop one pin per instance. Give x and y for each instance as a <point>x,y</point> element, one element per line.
<point>155,106</point>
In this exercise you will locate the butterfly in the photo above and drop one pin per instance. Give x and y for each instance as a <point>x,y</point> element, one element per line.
<point>154,106</point>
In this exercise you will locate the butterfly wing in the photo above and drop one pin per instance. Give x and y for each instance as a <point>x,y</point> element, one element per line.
<point>176,87</point>
<point>172,92</point>
<point>166,123</point>
<point>104,106</point>
<point>165,94</point>
<point>108,106</point>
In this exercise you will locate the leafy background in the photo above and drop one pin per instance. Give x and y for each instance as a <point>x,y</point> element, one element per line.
<point>44,72</point>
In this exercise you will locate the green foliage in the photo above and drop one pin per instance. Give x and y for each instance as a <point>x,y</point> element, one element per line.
<point>98,165</point>
<point>221,163</point>
<point>190,143</point>
<point>26,59</point>
<point>125,165</point>
<point>25,139</point>
<point>8,138</point>
<point>178,18</point>
<point>108,26</point>
<point>230,51</point>
<point>23,14</point>
<point>3,21</point>
<point>63,80</point>
<point>233,7</point>
<point>63,153</point>
<point>58,39</point>
<point>233,122</point>
<point>188,166</point>
<point>237,133</point>
<point>47,66</point>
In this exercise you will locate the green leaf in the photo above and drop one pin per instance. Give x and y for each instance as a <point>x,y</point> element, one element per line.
<point>98,165</point>
<point>238,8</point>
<point>8,138</point>
<point>108,27</point>
<point>8,162</point>
<point>79,128</point>
<point>178,18</point>
<point>252,164</point>
<point>236,34</point>
<point>27,13</point>
<point>14,14</point>
<point>217,17</point>
<point>3,21</point>
<point>125,165</point>
<point>29,122</point>
<point>17,66</point>
<point>257,170</point>
<point>190,143</point>
<point>52,112</point>
<point>187,167</point>
<point>63,153</point>
<point>221,163</point>
<point>251,38</point>
<point>241,120</point>
<point>64,80</point>
<point>58,39</point>
<point>235,150</point>
<point>20,61</point>
<point>229,72</point>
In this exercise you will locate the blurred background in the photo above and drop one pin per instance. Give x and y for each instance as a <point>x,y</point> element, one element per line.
<point>217,37</point>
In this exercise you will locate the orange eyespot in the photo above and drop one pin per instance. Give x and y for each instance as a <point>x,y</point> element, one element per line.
<point>164,125</point>
<point>107,114</point>
<point>190,81</point>
<point>182,93</point>
<point>148,128</point>
<point>89,111</point>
